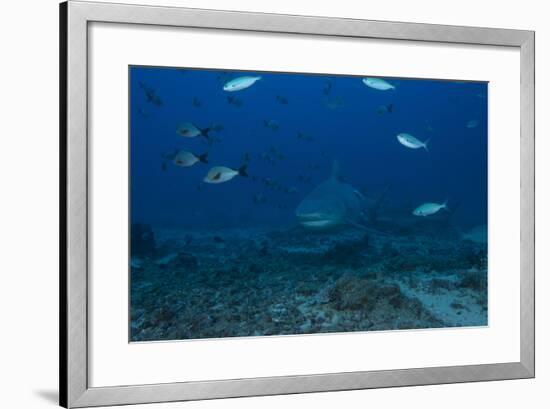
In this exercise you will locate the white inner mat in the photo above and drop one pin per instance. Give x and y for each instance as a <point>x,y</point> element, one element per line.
<point>114,361</point>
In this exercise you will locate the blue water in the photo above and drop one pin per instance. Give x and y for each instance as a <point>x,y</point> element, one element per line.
<point>343,120</point>
<point>356,134</point>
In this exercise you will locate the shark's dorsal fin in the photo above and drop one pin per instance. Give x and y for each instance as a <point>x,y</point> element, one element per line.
<point>335,170</point>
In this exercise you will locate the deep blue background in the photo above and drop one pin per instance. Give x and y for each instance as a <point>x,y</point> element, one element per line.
<point>362,139</point>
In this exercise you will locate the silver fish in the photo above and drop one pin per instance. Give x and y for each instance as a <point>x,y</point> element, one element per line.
<point>185,159</point>
<point>411,142</point>
<point>220,174</point>
<point>189,130</point>
<point>240,83</point>
<point>472,123</point>
<point>377,83</point>
<point>428,209</point>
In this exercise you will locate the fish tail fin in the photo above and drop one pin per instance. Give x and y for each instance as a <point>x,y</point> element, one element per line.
<point>243,171</point>
<point>203,158</point>
<point>445,205</point>
<point>205,132</point>
<point>425,146</point>
<point>258,78</point>
<point>390,108</point>
<point>359,195</point>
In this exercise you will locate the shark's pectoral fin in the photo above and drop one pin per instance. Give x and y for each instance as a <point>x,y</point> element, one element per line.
<point>359,195</point>
<point>356,225</point>
<point>365,228</point>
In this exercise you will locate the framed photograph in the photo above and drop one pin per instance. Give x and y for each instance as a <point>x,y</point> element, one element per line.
<point>258,204</point>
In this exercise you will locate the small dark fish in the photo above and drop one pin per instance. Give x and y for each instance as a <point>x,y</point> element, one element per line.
<point>272,149</point>
<point>259,198</point>
<point>272,184</point>
<point>211,140</point>
<point>327,87</point>
<point>218,239</point>
<point>281,100</point>
<point>233,100</point>
<point>305,137</point>
<point>334,103</point>
<point>155,100</point>
<point>142,113</point>
<point>197,102</point>
<point>272,156</point>
<point>164,166</point>
<point>271,124</point>
<point>385,109</point>
<point>246,157</point>
<point>472,123</point>
<point>150,95</point>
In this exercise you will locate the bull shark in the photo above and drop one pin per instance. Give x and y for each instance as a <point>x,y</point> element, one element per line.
<point>332,204</point>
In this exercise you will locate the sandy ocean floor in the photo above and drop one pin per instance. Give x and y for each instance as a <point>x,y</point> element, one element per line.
<point>255,282</point>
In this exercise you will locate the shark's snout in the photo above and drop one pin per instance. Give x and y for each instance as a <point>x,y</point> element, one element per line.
<point>328,205</point>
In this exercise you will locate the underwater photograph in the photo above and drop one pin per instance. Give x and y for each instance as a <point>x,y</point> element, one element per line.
<point>277,203</point>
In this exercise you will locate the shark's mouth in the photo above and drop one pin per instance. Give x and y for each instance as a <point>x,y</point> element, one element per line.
<point>318,220</point>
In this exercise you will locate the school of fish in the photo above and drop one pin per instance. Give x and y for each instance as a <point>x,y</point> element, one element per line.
<point>330,204</point>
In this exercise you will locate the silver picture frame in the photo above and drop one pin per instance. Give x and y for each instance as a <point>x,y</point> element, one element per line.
<point>75,16</point>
